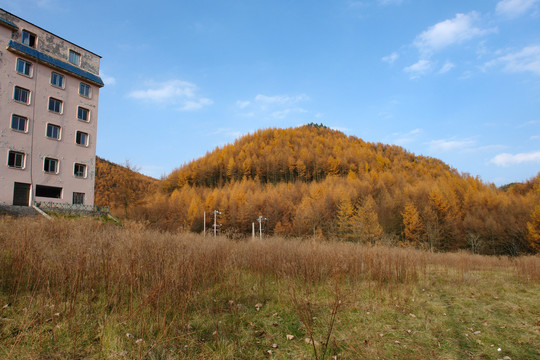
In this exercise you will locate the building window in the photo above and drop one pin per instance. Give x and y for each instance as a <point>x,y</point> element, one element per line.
<point>53,131</point>
<point>79,170</point>
<point>81,138</point>
<point>24,67</point>
<point>82,114</point>
<point>49,191</point>
<point>28,39</point>
<point>21,95</point>
<point>50,165</point>
<point>78,198</point>
<point>57,80</point>
<point>16,159</point>
<point>84,90</point>
<point>55,105</point>
<point>74,57</point>
<point>18,123</point>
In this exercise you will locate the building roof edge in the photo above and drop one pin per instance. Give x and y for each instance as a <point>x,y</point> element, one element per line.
<point>7,12</point>
<point>53,62</point>
<point>8,23</point>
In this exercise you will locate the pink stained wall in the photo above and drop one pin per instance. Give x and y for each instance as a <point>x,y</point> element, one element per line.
<point>33,142</point>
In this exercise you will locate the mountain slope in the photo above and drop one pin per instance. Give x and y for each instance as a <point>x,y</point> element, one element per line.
<point>315,181</point>
<point>305,153</point>
<point>120,187</point>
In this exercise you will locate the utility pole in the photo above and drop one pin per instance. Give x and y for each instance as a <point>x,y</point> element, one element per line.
<point>253,230</point>
<point>216,213</point>
<point>260,220</point>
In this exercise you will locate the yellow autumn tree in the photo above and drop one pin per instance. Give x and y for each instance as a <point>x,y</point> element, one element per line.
<point>533,227</point>
<point>345,225</point>
<point>413,228</point>
<point>366,226</point>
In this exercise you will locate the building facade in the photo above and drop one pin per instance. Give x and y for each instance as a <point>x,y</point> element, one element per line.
<point>49,90</point>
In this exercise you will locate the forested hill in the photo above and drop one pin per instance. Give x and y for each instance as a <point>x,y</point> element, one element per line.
<point>120,186</point>
<point>314,181</point>
<point>306,153</point>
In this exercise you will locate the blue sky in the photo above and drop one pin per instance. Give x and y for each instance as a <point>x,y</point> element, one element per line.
<point>456,80</point>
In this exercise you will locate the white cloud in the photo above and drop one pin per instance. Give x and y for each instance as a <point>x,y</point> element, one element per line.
<point>515,8</point>
<point>230,133</point>
<point>282,114</point>
<point>173,92</point>
<point>108,80</point>
<point>529,123</point>
<point>491,148</point>
<point>242,104</point>
<point>391,58</point>
<point>407,138</point>
<point>449,145</point>
<point>273,106</point>
<point>446,67</point>
<point>449,32</point>
<point>197,104</point>
<point>525,60</point>
<point>506,159</point>
<point>280,99</point>
<point>418,69</point>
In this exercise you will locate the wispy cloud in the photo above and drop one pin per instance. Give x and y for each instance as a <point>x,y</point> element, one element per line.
<point>274,106</point>
<point>407,138</point>
<point>229,133</point>
<point>445,145</point>
<point>515,8</point>
<point>282,114</point>
<point>242,104</point>
<point>174,92</point>
<point>391,58</point>
<point>108,80</point>
<point>461,28</point>
<point>281,106</point>
<point>525,60</point>
<point>280,99</point>
<point>446,67</point>
<point>195,104</point>
<point>419,68</point>
<point>506,159</point>
<point>529,123</point>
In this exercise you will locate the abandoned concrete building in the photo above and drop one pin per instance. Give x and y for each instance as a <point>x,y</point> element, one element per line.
<point>49,90</point>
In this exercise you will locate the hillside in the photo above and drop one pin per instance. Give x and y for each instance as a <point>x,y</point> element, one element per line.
<point>120,187</point>
<point>306,153</point>
<point>314,181</point>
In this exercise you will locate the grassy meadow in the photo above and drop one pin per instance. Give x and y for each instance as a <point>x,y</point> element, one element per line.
<point>84,289</point>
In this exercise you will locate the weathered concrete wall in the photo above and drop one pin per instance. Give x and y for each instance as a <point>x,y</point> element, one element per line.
<point>53,45</point>
<point>34,142</point>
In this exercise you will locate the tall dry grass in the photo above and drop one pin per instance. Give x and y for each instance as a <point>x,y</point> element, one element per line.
<point>159,280</point>
<point>66,257</point>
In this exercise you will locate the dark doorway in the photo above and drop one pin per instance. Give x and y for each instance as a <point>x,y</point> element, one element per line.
<point>21,194</point>
<point>49,191</point>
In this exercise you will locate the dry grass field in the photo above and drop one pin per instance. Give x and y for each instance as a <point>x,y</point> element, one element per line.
<point>84,289</point>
